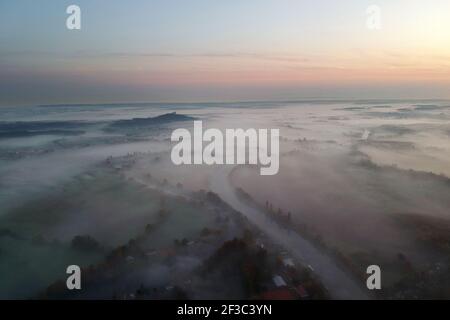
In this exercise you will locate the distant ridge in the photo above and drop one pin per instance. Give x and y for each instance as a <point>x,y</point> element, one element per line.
<point>162,119</point>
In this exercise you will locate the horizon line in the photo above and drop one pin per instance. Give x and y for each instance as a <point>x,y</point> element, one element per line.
<point>302,100</point>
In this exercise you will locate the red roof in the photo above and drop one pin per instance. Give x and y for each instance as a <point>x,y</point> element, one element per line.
<point>301,291</point>
<point>282,293</point>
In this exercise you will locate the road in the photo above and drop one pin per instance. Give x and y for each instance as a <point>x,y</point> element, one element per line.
<point>338,282</point>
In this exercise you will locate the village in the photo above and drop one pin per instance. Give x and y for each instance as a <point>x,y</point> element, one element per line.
<point>228,257</point>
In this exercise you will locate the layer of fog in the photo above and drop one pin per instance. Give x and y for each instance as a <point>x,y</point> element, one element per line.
<point>35,176</point>
<point>331,178</point>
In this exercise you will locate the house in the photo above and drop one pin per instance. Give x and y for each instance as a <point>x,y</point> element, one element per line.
<point>279,281</point>
<point>288,262</point>
<point>282,293</point>
<point>301,291</point>
<point>151,253</point>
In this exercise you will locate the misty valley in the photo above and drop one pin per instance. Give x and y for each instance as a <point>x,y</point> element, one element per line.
<point>360,183</point>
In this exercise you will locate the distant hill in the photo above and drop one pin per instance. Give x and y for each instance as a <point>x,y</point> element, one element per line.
<point>140,122</point>
<point>33,128</point>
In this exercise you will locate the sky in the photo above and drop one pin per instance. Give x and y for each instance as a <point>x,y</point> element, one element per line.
<point>222,50</point>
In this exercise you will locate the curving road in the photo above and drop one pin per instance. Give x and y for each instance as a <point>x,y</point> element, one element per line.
<point>339,284</point>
